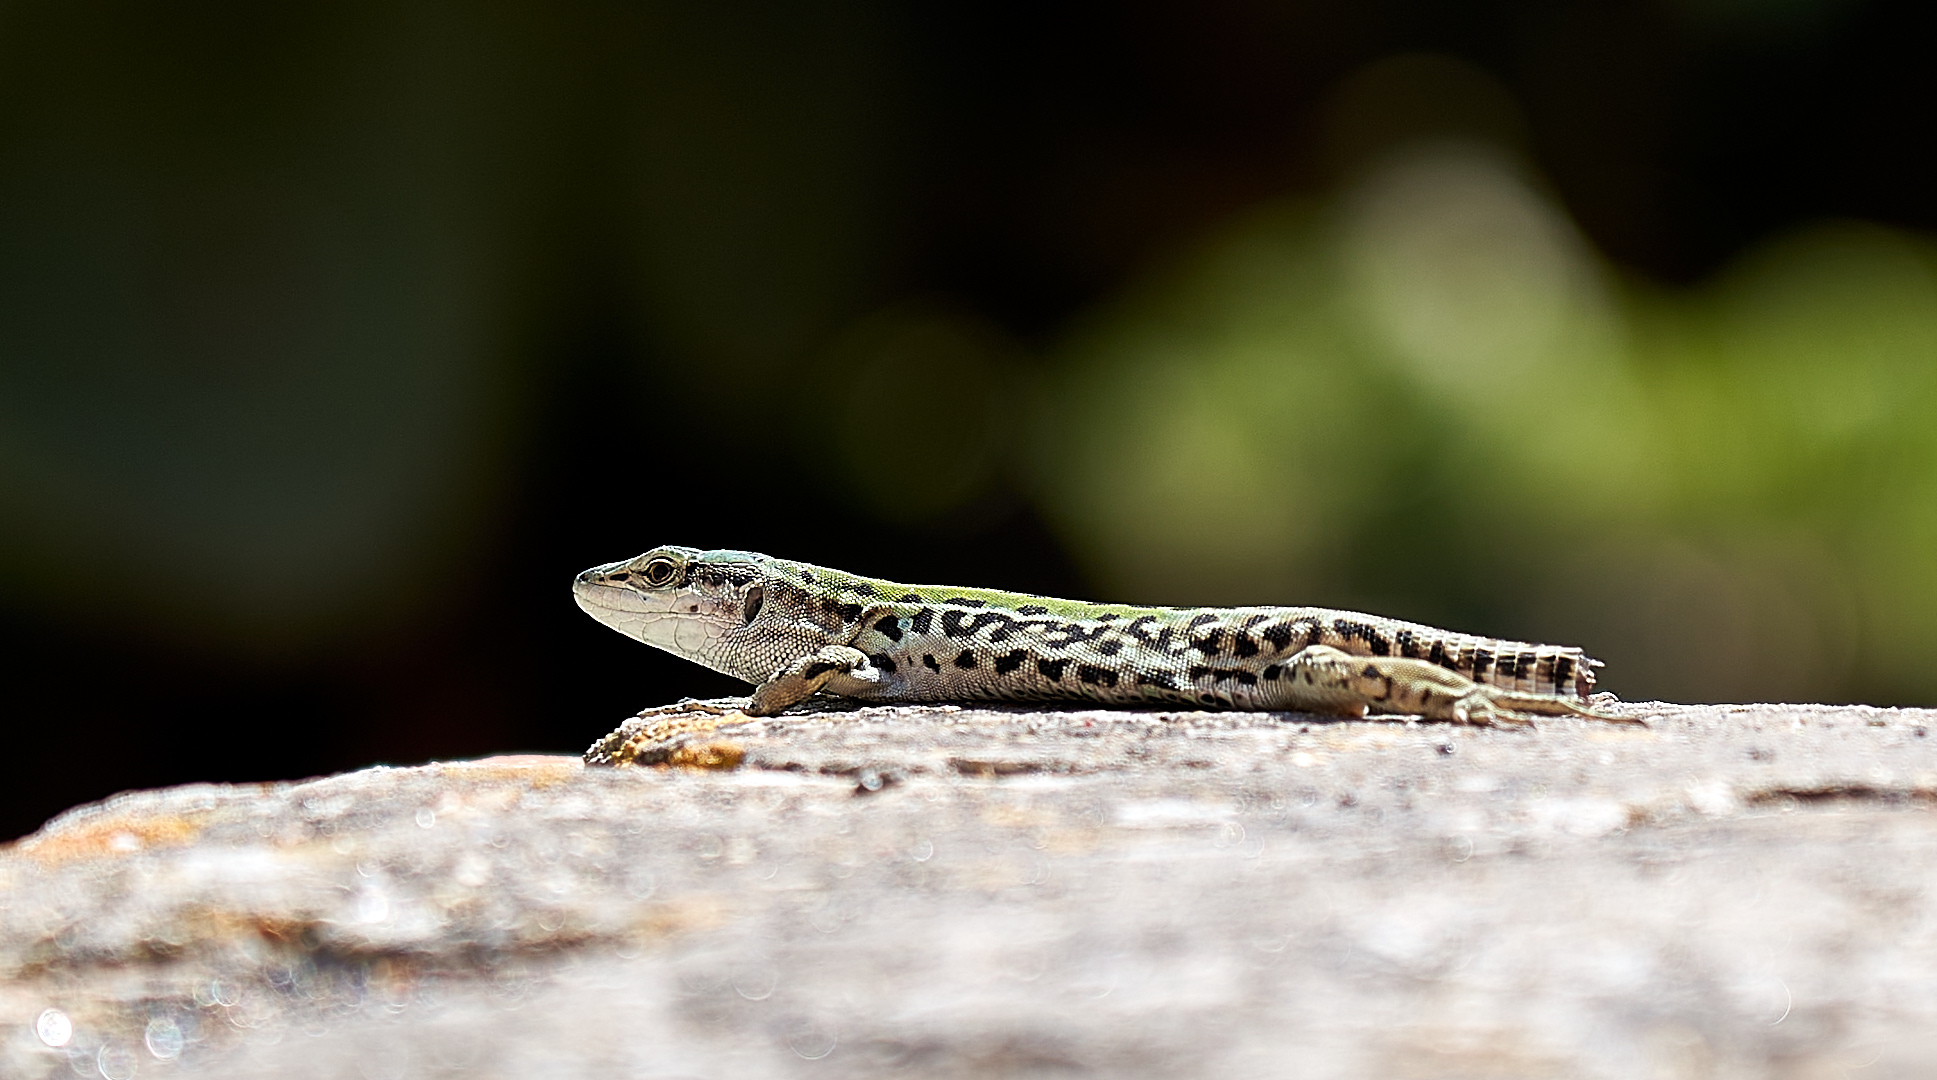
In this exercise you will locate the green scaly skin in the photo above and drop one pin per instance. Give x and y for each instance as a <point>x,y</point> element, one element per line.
<point>792,629</point>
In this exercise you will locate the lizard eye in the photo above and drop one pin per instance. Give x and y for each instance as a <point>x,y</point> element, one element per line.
<point>659,572</point>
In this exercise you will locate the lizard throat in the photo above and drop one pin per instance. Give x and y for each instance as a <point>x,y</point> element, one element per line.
<point>686,624</point>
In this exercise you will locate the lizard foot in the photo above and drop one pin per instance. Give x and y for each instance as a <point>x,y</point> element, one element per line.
<point>1491,705</point>
<point>669,735</point>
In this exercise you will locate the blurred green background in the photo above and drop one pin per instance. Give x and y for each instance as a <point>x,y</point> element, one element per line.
<point>334,338</point>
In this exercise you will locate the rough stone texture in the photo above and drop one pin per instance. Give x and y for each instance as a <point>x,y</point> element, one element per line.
<point>937,892</point>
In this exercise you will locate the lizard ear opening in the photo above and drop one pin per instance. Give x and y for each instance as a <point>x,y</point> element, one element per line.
<point>755,597</point>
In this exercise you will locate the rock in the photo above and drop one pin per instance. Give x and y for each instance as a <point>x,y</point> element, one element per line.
<point>937,892</point>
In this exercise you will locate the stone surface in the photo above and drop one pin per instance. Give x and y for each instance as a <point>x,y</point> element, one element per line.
<point>1740,891</point>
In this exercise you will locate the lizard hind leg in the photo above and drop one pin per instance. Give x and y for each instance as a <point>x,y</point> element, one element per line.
<point>1320,678</point>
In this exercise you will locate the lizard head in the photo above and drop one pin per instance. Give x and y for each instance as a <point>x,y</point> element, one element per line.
<point>686,601</point>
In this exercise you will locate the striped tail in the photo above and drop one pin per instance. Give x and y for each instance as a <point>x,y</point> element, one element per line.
<point>1519,666</point>
<point>1516,665</point>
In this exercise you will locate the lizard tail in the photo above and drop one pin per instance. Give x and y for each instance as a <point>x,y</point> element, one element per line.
<point>1526,668</point>
<point>1519,666</point>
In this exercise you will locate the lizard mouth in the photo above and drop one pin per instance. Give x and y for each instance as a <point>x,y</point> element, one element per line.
<point>679,621</point>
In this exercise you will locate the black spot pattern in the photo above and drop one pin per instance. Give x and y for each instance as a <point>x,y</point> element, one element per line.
<point>928,661</point>
<point>1482,660</point>
<point>1375,642</point>
<point>1156,678</point>
<point>911,598</point>
<point>1237,675</point>
<point>1271,672</point>
<point>1244,644</point>
<point>1052,669</point>
<point>1406,643</point>
<point>1158,642</point>
<point>922,621</point>
<point>1095,676</point>
<point>1032,609</point>
<point>1278,636</point>
<point>889,626</point>
<point>1067,634</point>
<point>1008,662</point>
<point>963,601</point>
<point>1110,648</point>
<point>966,660</point>
<point>818,668</point>
<point>963,624</point>
<point>883,661</point>
<point>1209,643</point>
<point>847,612</point>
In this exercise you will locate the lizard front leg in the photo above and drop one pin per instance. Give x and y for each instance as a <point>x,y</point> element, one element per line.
<point>667,735</point>
<point>839,669</point>
<point>1320,678</point>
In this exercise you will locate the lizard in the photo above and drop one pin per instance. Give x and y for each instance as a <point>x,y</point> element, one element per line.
<point>793,629</point>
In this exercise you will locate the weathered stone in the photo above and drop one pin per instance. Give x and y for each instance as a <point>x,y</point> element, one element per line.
<point>1735,891</point>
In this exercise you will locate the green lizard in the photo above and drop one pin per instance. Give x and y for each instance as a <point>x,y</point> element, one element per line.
<point>792,629</point>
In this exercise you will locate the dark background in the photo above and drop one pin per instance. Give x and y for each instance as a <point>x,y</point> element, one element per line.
<point>335,338</point>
